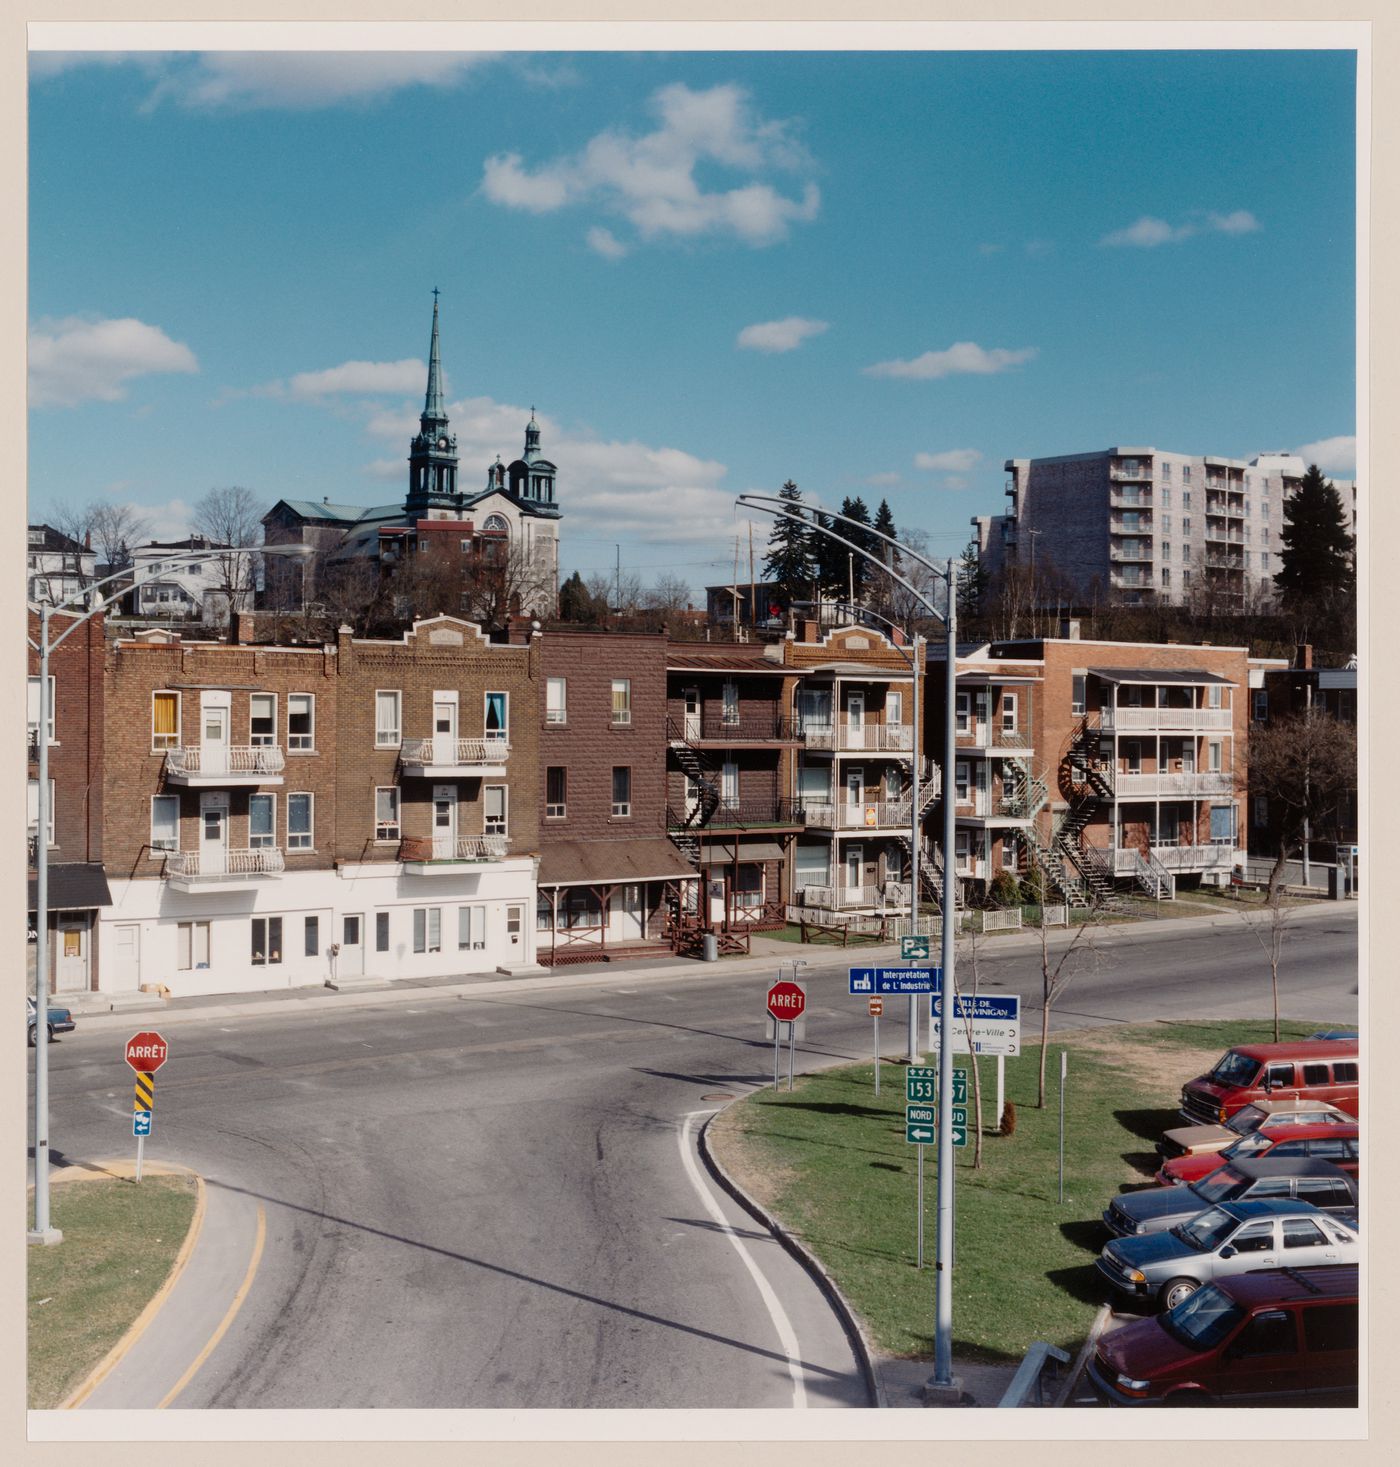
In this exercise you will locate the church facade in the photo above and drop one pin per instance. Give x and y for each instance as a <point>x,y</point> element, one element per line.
<point>508,528</point>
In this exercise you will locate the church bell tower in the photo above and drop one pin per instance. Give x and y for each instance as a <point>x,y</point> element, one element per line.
<point>432,455</point>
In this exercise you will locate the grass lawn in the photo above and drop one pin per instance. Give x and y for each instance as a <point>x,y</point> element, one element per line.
<point>119,1242</point>
<point>830,1161</point>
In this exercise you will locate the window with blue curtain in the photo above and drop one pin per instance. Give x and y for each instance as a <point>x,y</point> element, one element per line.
<point>496,722</point>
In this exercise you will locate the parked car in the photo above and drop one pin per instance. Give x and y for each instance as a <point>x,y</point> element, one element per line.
<point>1156,1209</point>
<point>1234,1238</point>
<point>60,1020</point>
<point>1279,1336</point>
<point>1335,1034</point>
<point>1315,1069</point>
<point>1192,1140</point>
<point>1341,1145</point>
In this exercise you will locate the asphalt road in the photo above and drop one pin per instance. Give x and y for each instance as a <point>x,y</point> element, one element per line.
<point>495,1201</point>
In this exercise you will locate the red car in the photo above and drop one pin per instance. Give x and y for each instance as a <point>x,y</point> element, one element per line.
<point>1341,1145</point>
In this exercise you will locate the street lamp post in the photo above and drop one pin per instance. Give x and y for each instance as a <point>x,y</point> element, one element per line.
<point>942,1381</point>
<point>43,1232</point>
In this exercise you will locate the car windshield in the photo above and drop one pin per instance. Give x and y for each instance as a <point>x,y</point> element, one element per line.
<point>1206,1231</point>
<point>1204,1319</point>
<point>1234,1069</point>
<point>1221,1186</point>
<point>1250,1118</point>
<point>1255,1141</point>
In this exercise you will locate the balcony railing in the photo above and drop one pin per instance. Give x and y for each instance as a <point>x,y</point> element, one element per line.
<point>1117,525</point>
<point>217,865</point>
<point>1129,582</point>
<point>1198,785</point>
<point>1130,498</point>
<point>990,734</point>
<point>443,751</point>
<point>1132,552</point>
<point>868,815</point>
<point>748,728</point>
<point>1178,858</point>
<point>1129,471</point>
<point>1165,720</point>
<point>454,848</point>
<point>872,737</point>
<point>841,896</point>
<point>214,761</point>
<point>744,815</point>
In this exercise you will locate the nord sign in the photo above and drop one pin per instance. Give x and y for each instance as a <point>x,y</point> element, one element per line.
<point>146,1052</point>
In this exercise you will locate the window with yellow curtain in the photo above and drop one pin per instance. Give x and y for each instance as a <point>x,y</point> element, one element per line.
<point>165,720</point>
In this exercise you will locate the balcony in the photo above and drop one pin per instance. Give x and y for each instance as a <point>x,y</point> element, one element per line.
<point>748,728</point>
<point>444,756</point>
<point>1140,524</point>
<point>872,738</point>
<point>1127,581</point>
<point>1128,471</point>
<point>992,735</point>
<point>221,870</point>
<point>1224,537</point>
<point>1130,498</point>
<point>443,855</point>
<point>745,815</point>
<point>1166,720</point>
<point>1178,858</point>
<point>1132,552</point>
<point>208,766</point>
<point>845,897</point>
<point>868,815</point>
<point>1222,560</point>
<point>1198,785</point>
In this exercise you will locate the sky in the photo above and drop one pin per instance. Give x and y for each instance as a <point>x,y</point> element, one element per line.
<point>874,274</point>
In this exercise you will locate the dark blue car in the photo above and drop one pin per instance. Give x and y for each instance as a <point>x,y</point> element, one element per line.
<point>60,1020</point>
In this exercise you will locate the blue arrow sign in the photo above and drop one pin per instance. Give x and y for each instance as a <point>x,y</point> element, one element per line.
<point>895,980</point>
<point>141,1123</point>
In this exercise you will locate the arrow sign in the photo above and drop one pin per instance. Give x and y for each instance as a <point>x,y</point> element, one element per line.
<point>894,980</point>
<point>913,949</point>
<point>141,1123</point>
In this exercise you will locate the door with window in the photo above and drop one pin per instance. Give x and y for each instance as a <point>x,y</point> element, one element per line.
<point>213,834</point>
<point>855,796</point>
<point>351,959</point>
<point>692,714</point>
<point>855,721</point>
<point>213,751</point>
<point>855,869</point>
<point>444,729</point>
<point>444,822</point>
<point>126,955</point>
<point>73,941</point>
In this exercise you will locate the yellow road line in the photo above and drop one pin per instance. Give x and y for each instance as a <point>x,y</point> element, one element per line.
<point>143,1320</point>
<point>228,1318</point>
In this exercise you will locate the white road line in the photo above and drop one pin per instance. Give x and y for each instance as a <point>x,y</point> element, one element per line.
<point>786,1334</point>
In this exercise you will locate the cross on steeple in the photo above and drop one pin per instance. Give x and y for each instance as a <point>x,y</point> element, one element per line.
<point>436,293</point>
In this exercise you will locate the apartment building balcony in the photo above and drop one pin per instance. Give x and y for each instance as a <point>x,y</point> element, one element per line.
<point>444,756</point>
<point>221,870</point>
<point>1124,580</point>
<point>1131,551</point>
<point>1218,559</point>
<point>774,814</point>
<point>853,898</point>
<point>990,736</point>
<point>1166,720</point>
<point>869,815</point>
<point>1190,859</point>
<point>867,738</point>
<point>1141,525</point>
<point>1134,498</point>
<point>210,766</point>
<point>1218,535</point>
<point>441,855</point>
<point>1230,508</point>
<point>1129,471</point>
<point>1198,785</point>
<point>748,728</point>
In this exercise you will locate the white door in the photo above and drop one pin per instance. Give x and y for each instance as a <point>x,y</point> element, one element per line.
<point>444,730</point>
<point>351,959</point>
<point>444,822</point>
<point>855,796</point>
<point>126,955</point>
<point>979,720</point>
<point>632,925</point>
<point>213,835</point>
<point>692,714</point>
<point>729,785</point>
<point>855,720</point>
<point>855,865</point>
<point>692,796</point>
<point>71,943</point>
<point>213,752</point>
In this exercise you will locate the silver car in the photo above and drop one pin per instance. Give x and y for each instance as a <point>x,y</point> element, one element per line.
<point>1235,1237</point>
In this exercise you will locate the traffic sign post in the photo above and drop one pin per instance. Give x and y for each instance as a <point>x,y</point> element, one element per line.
<point>877,1007</point>
<point>914,949</point>
<point>145,1053</point>
<point>995,1023</point>
<point>920,1129</point>
<point>872,981</point>
<point>786,1002</point>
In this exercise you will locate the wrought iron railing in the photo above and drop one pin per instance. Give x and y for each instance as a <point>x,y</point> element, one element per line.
<point>747,728</point>
<point>458,848</point>
<point>218,759</point>
<point>443,750</point>
<point>211,865</point>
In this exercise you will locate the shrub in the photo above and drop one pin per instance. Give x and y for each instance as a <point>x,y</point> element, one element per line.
<point>1005,890</point>
<point>1008,1119</point>
<point>1033,888</point>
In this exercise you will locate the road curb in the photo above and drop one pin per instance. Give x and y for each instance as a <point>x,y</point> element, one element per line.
<point>143,1321</point>
<point>855,1333</point>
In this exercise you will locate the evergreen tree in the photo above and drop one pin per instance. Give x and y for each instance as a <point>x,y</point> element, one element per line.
<point>577,603</point>
<point>789,561</point>
<point>1317,546</point>
<point>882,587</point>
<point>830,558</point>
<point>858,568</point>
<point>973,580</point>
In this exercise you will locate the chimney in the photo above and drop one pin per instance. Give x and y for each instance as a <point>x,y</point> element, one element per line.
<point>245,627</point>
<point>1302,658</point>
<point>518,629</point>
<point>898,637</point>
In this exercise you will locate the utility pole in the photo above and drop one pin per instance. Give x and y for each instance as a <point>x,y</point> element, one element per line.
<point>753,589</point>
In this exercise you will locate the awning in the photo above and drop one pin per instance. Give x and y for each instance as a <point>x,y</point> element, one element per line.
<point>1172,675</point>
<point>605,862</point>
<point>73,888</point>
<point>717,852</point>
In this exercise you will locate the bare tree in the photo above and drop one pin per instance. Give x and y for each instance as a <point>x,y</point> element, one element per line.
<point>231,519</point>
<point>117,530</point>
<point>511,585</point>
<point>668,593</point>
<point>1056,978</point>
<point>618,592</point>
<point>1269,931</point>
<point>76,522</point>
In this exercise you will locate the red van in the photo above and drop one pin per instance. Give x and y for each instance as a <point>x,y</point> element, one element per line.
<point>1279,1336</point>
<point>1307,1069</point>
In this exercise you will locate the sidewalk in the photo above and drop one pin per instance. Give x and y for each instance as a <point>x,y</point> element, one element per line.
<point>767,956</point>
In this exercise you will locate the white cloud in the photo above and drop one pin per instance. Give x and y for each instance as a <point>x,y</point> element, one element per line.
<point>168,521</point>
<point>955,481</point>
<point>78,359</point>
<point>304,80</point>
<point>961,357</point>
<point>784,335</point>
<point>362,378</point>
<point>606,243</point>
<point>651,182</point>
<point>1331,455</point>
<point>952,460</point>
<point>1149,231</point>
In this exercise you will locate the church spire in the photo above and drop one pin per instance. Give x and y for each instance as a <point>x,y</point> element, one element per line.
<point>432,403</point>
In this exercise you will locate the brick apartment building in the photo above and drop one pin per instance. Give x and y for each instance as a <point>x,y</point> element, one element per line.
<point>77,888</point>
<point>1098,764</point>
<point>610,882</point>
<point>284,815</point>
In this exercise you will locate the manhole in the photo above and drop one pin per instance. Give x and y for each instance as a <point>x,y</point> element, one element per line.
<point>718,1095</point>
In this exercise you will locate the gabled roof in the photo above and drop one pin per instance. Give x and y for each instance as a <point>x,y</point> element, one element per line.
<point>323,509</point>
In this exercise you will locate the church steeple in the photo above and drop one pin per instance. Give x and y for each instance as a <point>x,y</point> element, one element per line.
<point>432,456</point>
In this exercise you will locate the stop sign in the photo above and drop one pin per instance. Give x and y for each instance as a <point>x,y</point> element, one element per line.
<point>146,1051</point>
<point>786,1000</point>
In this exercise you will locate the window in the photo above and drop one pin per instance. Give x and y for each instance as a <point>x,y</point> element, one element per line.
<point>961,708</point>
<point>471,929</point>
<point>1213,754</point>
<point>267,941</point>
<point>165,720</point>
<point>311,937</point>
<point>350,930</point>
<point>1345,1072</point>
<point>1331,1326</point>
<point>262,719</point>
<point>381,932</point>
<point>493,800</point>
<point>1273,1332</point>
<point>960,781</point>
<point>1186,473</point>
<point>1186,524</point>
<point>1316,1075</point>
<point>1261,810</point>
<point>386,813</point>
<point>1324,1191</point>
<point>1279,1075</point>
<point>1132,756</point>
<point>1009,855</point>
<point>1186,577</point>
<point>262,826</point>
<point>1166,576</point>
<point>427,929</point>
<point>388,722</point>
<point>299,823</point>
<point>191,945</point>
<point>730,712</point>
<point>34,709</point>
<point>1008,713</point>
<point>1078,683</point>
<point>1166,549</point>
<point>1256,1238</point>
<point>301,721</point>
<point>622,791</point>
<point>1261,705</point>
<point>498,717</point>
<point>165,822</point>
<point>622,700</point>
<point>556,700</point>
<point>556,792</point>
<point>1263,560</point>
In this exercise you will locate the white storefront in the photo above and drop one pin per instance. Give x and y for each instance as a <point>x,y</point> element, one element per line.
<point>286,930</point>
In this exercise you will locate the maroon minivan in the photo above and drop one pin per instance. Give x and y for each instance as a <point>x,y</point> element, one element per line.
<point>1275,1337</point>
<point>1306,1069</point>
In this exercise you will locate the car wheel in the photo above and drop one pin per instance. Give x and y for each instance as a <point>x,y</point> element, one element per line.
<point>50,1033</point>
<point>33,1036</point>
<point>1175,1290</point>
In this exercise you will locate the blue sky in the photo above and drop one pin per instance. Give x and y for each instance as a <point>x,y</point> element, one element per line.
<point>880,274</point>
